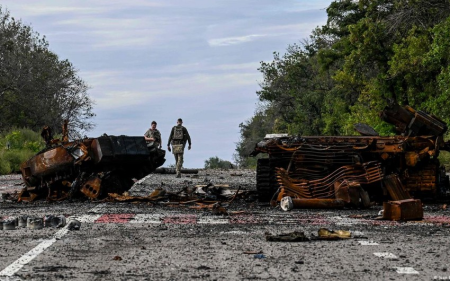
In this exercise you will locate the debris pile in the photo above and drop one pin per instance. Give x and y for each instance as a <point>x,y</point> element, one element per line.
<point>209,196</point>
<point>33,222</point>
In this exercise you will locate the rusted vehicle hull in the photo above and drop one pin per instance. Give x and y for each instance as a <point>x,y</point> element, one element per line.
<point>91,167</point>
<point>357,169</point>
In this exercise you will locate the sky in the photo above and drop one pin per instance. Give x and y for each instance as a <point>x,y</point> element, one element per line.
<point>161,60</point>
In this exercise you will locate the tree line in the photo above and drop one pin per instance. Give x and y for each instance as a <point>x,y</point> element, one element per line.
<point>367,53</point>
<point>36,87</point>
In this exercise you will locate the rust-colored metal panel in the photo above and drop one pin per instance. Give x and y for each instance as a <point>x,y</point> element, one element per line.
<point>395,188</point>
<point>318,203</point>
<point>408,209</point>
<point>91,188</point>
<point>49,162</point>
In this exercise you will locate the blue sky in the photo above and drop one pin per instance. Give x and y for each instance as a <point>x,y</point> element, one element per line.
<point>161,60</point>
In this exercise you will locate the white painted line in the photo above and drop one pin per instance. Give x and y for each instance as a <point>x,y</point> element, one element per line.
<point>385,255</point>
<point>97,209</point>
<point>346,221</point>
<point>368,243</point>
<point>406,270</point>
<point>11,269</point>
<point>87,218</point>
<point>237,232</point>
<point>213,220</point>
<point>25,259</point>
<point>146,218</point>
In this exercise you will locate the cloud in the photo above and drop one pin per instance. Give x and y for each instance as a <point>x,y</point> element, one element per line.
<point>73,7</point>
<point>157,59</point>
<point>234,40</point>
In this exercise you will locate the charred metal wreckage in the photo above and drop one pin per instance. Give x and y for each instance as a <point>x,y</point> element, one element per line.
<point>338,171</point>
<point>92,167</point>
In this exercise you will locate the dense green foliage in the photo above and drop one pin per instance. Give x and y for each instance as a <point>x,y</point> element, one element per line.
<point>217,163</point>
<point>16,146</point>
<point>369,52</point>
<point>36,87</point>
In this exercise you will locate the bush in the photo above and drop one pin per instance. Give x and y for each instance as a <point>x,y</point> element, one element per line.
<point>22,139</point>
<point>15,157</point>
<point>444,159</point>
<point>217,163</point>
<point>5,168</point>
<point>17,146</point>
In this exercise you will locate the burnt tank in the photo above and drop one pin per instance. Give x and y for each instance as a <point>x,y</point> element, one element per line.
<point>357,170</point>
<point>90,167</point>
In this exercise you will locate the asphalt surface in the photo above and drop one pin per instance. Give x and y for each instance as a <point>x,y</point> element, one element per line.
<point>142,241</point>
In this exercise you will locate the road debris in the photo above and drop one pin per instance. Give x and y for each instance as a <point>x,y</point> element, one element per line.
<point>327,234</point>
<point>295,236</point>
<point>408,209</point>
<point>9,224</point>
<point>35,223</point>
<point>74,224</point>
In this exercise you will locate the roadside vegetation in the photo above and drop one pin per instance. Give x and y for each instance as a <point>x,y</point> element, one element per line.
<point>217,163</point>
<point>367,54</point>
<point>16,146</point>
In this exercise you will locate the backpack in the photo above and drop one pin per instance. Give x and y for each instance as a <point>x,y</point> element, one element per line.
<point>178,133</point>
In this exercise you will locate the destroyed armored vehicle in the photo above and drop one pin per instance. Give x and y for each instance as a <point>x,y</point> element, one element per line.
<point>337,171</point>
<point>90,167</point>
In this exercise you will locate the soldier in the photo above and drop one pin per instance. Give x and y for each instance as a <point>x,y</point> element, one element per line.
<point>153,136</point>
<point>178,138</point>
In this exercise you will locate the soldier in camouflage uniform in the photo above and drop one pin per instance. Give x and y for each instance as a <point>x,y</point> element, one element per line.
<point>178,138</point>
<point>153,137</point>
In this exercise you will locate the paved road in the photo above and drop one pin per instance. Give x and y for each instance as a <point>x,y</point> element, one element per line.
<point>126,241</point>
<point>129,241</point>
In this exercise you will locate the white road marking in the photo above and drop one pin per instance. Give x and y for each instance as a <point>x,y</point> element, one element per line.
<point>406,270</point>
<point>386,255</point>
<point>87,218</point>
<point>146,218</point>
<point>367,243</point>
<point>11,269</point>
<point>345,221</point>
<point>25,259</point>
<point>97,209</point>
<point>237,232</point>
<point>213,220</point>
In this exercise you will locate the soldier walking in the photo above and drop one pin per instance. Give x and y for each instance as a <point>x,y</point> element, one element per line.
<point>178,138</point>
<point>153,137</point>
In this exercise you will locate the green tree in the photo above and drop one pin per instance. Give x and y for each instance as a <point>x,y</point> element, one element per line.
<point>36,87</point>
<point>217,163</point>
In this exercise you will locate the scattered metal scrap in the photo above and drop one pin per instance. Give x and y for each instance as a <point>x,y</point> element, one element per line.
<point>338,171</point>
<point>174,171</point>
<point>92,167</point>
<point>299,236</point>
<point>213,197</point>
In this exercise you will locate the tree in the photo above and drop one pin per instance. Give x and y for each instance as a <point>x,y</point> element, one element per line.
<point>217,163</point>
<point>368,53</point>
<point>36,87</point>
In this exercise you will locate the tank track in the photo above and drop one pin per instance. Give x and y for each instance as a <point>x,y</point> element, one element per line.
<point>266,181</point>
